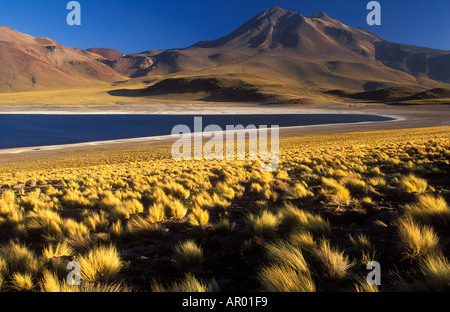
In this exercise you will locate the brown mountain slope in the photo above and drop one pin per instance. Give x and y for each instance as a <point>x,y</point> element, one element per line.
<point>29,63</point>
<point>286,47</point>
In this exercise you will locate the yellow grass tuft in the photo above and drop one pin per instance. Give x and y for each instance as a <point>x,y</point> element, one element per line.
<point>100,264</point>
<point>263,225</point>
<point>417,240</point>
<point>411,184</point>
<point>429,210</point>
<point>334,262</point>
<point>188,255</point>
<point>279,278</point>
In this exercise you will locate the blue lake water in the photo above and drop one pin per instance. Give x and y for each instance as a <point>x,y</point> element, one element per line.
<point>23,130</point>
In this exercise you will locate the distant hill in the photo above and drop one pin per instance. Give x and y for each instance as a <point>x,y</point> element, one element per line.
<point>29,63</point>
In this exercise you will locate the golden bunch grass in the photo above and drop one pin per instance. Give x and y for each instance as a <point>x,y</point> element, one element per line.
<point>22,281</point>
<point>156,213</point>
<point>16,257</point>
<point>280,278</point>
<point>297,191</point>
<point>198,216</point>
<point>416,240</point>
<point>294,218</point>
<point>176,209</point>
<point>138,226</point>
<point>189,283</point>
<point>430,210</point>
<point>287,255</point>
<point>334,262</point>
<point>100,264</point>
<point>188,255</point>
<point>411,184</point>
<point>264,224</point>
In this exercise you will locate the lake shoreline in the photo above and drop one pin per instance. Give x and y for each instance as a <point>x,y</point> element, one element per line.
<point>406,117</point>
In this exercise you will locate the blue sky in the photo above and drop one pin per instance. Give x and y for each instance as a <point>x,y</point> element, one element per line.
<point>140,25</point>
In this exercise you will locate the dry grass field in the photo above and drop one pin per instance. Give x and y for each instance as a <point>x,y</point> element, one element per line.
<point>137,220</point>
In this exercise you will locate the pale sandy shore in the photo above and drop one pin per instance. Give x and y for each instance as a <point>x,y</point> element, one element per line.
<point>405,117</point>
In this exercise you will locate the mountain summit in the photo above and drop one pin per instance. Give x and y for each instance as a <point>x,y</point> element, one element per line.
<point>287,46</point>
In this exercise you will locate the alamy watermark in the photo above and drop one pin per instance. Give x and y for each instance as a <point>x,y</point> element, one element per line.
<point>229,144</point>
<point>374,276</point>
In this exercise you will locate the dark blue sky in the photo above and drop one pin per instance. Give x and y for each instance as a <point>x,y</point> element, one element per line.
<point>139,25</point>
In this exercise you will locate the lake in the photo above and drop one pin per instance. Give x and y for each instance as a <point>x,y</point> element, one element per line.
<point>27,130</point>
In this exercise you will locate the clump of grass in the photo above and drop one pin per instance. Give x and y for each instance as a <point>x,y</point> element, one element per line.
<point>95,221</point>
<point>335,263</point>
<point>363,286</point>
<point>280,278</point>
<point>138,226</point>
<point>100,264</point>
<point>294,218</point>
<point>287,255</point>
<point>176,209</point>
<point>336,192</point>
<point>188,284</point>
<point>71,227</point>
<point>362,243</point>
<point>45,222</point>
<point>436,272</point>
<point>429,210</point>
<point>50,283</point>
<point>356,186</point>
<point>73,199</point>
<point>188,255</point>
<point>198,216</point>
<point>22,281</point>
<point>16,257</point>
<point>411,184</point>
<point>156,213</point>
<point>302,239</point>
<point>264,224</point>
<point>297,191</point>
<point>416,240</point>
<point>7,203</point>
<point>60,250</point>
<point>116,229</point>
